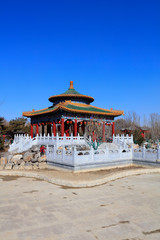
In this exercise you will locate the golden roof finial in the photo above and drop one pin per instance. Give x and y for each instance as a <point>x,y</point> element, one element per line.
<point>71,85</point>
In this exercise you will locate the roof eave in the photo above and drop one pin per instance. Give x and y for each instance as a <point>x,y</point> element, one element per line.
<point>91,99</point>
<point>30,114</point>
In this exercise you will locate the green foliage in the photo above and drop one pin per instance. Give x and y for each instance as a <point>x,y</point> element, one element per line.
<point>148,146</point>
<point>137,137</point>
<point>15,126</point>
<point>18,126</point>
<point>2,131</point>
<point>2,126</point>
<point>1,143</point>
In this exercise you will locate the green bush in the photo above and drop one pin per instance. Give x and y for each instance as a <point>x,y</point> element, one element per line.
<point>137,137</point>
<point>1,144</point>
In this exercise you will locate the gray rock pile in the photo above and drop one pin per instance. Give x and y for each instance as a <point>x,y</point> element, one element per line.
<point>29,160</point>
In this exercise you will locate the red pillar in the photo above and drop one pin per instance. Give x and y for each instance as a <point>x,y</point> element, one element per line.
<point>103,131</point>
<point>54,129</point>
<point>93,136</point>
<point>31,131</point>
<point>75,128</point>
<point>113,128</point>
<point>37,129</point>
<point>62,127</point>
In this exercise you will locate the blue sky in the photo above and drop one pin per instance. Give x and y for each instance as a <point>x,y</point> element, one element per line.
<point>110,49</point>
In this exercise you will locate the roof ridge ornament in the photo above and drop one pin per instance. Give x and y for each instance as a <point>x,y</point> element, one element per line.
<point>71,94</point>
<point>71,85</point>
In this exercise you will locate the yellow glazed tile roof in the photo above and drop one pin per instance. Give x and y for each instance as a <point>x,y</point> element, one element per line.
<point>75,108</point>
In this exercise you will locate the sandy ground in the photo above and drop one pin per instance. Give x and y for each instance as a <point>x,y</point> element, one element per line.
<point>91,175</point>
<point>83,177</point>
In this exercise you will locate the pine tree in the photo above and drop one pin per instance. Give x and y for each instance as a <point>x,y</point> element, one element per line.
<point>18,126</point>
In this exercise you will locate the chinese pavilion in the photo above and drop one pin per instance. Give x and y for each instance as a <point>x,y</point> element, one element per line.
<point>69,113</point>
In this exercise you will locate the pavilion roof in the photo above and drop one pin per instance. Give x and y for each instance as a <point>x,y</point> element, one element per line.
<point>75,108</point>
<point>71,93</point>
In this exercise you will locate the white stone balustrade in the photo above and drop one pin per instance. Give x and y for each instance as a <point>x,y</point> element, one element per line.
<point>95,158</point>
<point>74,158</point>
<point>144,154</point>
<point>22,142</point>
<point>71,157</point>
<point>122,139</point>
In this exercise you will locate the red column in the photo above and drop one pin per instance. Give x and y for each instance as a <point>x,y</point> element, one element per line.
<point>62,127</point>
<point>75,127</point>
<point>37,129</point>
<point>93,136</point>
<point>112,128</point>
<point>31,131</point>
<point>54,129</point>
<point>103,131</point>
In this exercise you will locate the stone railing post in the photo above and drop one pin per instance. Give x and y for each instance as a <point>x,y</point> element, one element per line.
<point>127,137</point>
<point>63,153</point>
<point>143,151</point>
<point>132,138</point>
<point>72,154</point>
<point>71,137</point>
<point>113,138</point>
<point>48,137</point>
<point>57,140</point>
<point>40,138</point>
<point>122,138</point>
<point>64,138</point>
<point>74,159</point>
<point>78,137</point>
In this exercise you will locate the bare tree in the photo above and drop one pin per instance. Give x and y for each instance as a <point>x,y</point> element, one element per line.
<point>93,129</point>
<point>120,124</point>
<point>145,121</point>
<point>132,119</point>
<point>155,126</point>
